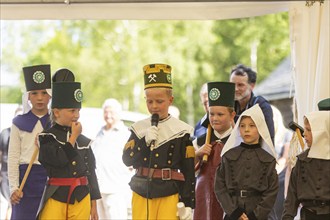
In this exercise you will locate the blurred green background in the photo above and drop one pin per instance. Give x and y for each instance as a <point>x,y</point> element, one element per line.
<point>107,56</point>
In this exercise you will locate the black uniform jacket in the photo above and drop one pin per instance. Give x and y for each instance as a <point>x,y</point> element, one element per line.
<point>174,153</point>
<point>61,160</point>
<point>309,181</point>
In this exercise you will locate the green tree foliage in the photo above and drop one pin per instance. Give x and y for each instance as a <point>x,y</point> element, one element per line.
<point>11,95</point>
<point>269,33</point>
<point>108,56</point>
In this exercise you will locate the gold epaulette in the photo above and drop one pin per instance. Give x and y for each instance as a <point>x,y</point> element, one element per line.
<point>130,144</point>
<point>190,152</point>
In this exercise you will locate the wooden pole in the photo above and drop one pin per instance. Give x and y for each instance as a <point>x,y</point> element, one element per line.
<point>27,172</point>
<point>207,141</point>
<point>300,139</point>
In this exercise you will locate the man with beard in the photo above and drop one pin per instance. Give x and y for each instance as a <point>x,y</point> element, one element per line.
<point>245,80</point>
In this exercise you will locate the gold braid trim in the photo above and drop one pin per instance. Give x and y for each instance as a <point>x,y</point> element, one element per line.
<point>157,68</point>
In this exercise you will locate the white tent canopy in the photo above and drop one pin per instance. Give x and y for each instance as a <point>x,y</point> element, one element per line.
<point>135,11</point>
<point>309,29</point>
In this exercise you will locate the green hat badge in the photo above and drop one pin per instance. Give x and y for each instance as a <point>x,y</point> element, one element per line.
<point>78,95</point>
<point>38,77</point>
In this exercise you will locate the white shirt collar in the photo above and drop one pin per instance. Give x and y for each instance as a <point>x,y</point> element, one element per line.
<point>224,134</point>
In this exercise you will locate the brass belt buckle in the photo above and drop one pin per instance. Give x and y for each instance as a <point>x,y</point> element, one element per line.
<point>169,174</point>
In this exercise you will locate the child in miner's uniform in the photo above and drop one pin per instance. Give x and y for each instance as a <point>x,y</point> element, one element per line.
<point>163,156</point>
<point>72,188</point>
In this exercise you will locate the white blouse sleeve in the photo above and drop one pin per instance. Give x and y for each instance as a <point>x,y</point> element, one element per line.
<point>14,151</point>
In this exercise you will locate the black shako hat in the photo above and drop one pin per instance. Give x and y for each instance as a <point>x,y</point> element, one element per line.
<point>157,76</point>
<point>66,92</point>
<point>67,95</point>
<point>37,77</point>
<point>63,75</point>
<point>221,94</point>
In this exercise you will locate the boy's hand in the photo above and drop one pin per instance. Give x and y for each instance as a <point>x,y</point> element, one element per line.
<point>16,197</point>
<point>76,128</point>
<point>94,215</point>
<point>205,149</point>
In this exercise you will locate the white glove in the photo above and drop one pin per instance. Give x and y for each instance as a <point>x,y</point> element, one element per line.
<point>151,135</point>
<point>184,213</point>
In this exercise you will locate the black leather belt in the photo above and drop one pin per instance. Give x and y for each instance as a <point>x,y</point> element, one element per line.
<point>315,203</point>
<point>244,193</point>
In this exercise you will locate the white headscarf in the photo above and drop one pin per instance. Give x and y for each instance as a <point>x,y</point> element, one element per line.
<point>258,117</point>
<point>320,127</point>
<point>26,102</point>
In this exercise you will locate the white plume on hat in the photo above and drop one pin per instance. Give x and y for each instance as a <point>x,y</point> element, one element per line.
<point>258,117</point>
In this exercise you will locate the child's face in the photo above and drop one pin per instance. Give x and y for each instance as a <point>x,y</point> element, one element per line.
<point>220,118</point>
<point>158,101</point>
<point>65,116</point>
<point>248,131</point>
<point>39,99</point>
<point>308,133</point>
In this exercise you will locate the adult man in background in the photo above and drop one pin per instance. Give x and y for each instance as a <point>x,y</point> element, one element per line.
<point>245,80</point>
<point>113,175</point>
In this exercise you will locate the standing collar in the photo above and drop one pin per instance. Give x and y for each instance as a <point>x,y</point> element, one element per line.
<point>63,128</point>
<point>250,146</point>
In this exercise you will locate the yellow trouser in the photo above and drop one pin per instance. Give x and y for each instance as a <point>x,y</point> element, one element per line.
<point>159,208</point>
<point>57,210</point>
